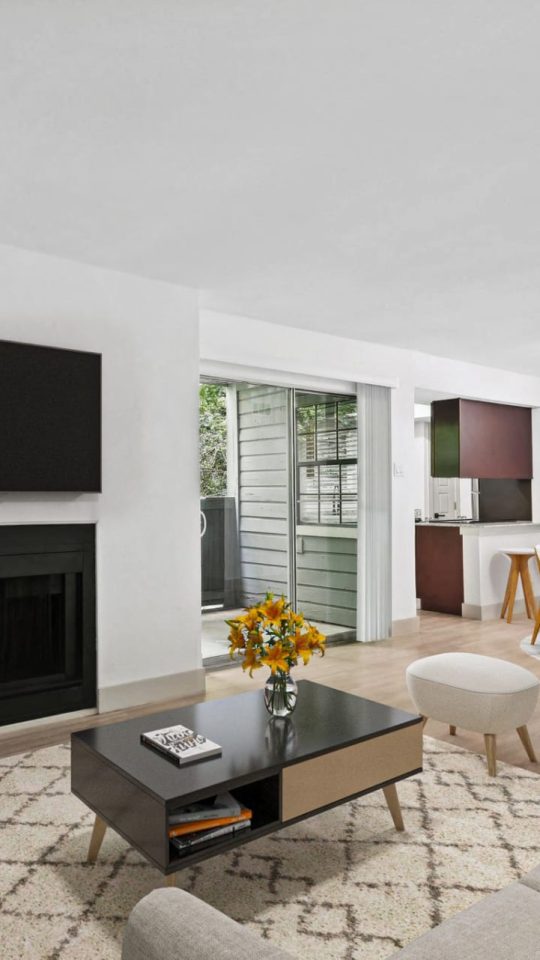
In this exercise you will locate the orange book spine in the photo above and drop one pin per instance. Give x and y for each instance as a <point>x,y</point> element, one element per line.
<point>196,825</point>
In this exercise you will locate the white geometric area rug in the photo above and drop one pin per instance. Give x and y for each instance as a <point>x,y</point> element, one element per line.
<point>340,886</point>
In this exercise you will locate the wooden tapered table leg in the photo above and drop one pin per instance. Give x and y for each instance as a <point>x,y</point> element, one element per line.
<point>536,630</point>
<point>491,752</point>
<point>170,880</point>
<point>392,800</point>
<point>96,839</point>
<point>526,741</point>
<point>452,731</point>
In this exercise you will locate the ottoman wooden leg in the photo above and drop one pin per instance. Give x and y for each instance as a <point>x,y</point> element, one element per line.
<point>526,741</point>
<point>491,752</point>
<point>170,880</point>
<point>96,839</point>
<point>392,799</point>
<point>452,730</point>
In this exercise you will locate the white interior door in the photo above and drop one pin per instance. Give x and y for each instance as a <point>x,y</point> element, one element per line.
<point>445,497</point>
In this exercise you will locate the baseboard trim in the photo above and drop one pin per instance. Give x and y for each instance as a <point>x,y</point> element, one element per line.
<point>136,693</point>
<point>404,628</point>
<point>491,611</point>
<point>9,729</point>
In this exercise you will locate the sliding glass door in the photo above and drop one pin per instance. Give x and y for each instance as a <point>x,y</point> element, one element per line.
<point>278,505</point>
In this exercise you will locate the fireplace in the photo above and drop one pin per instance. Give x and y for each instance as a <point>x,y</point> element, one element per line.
<point>47,620</point>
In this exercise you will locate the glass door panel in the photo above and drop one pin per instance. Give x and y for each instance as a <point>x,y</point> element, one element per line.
<point>245,493</point>
<point>326,510</point>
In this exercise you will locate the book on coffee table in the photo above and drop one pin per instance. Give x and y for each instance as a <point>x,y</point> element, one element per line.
<point>197,826</point>
<point>187,842</point>
<point>213,808</point>
<point>181,744</point>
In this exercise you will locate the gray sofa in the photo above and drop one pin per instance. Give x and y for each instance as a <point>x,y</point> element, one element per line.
<point>170,924</point>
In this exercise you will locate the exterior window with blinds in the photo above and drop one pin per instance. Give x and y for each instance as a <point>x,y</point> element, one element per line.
<point>326,460</point>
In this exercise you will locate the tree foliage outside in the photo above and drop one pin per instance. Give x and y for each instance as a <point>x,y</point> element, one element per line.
<point>213,439</point>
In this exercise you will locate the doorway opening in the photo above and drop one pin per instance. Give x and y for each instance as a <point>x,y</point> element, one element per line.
<point>278,506</point>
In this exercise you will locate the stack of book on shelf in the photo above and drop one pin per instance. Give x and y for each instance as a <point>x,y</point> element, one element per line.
<point>198,823</point>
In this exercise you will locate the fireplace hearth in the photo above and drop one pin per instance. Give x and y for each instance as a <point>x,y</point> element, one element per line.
<point>47,620</point>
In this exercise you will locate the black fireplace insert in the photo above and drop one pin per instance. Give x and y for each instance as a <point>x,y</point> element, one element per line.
<point>47,620</point>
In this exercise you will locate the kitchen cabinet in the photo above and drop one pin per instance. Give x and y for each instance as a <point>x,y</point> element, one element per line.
<point>439,568</point>
<point>470,438</point>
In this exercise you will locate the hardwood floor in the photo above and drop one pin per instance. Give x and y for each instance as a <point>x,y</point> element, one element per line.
<point>375,670</point>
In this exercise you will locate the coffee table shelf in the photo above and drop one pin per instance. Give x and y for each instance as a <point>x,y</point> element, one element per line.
<point>335,747</point>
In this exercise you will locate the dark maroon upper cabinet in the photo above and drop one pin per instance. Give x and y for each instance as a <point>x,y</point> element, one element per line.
<point>470,438</point>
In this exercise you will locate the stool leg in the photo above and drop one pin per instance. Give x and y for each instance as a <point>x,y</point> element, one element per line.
<point>528,591</point>
<point>452,731</point>
<point>170,880</point>
<point>513,582</point>
<point>523,734</point>
<point>506,600</point>
<point>536,630</point>
<point>491,752</point>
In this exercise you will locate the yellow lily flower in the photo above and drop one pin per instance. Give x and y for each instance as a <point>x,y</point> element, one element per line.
<point>236,639</point>
<point>251,660</point>
<point>273,610</point>
<point>250,618</point>
<point>275,658</point>
<point>302,646</point>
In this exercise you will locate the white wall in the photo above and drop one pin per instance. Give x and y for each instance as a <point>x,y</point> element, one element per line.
<point>266,346</point>
<point>148,564</point>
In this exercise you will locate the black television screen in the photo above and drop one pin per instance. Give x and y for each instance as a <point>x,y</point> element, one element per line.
<point>50,419</point>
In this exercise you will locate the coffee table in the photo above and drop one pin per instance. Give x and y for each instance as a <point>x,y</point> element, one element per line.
<point>336,746</point>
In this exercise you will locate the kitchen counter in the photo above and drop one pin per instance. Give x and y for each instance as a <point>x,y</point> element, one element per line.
<point>461,568</point>
<point>477,523</point>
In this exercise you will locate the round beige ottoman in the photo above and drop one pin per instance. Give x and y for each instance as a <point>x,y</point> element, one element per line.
<point>484,694</point>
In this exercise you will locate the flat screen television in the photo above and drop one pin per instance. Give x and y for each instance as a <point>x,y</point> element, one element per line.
<point>50,419</point>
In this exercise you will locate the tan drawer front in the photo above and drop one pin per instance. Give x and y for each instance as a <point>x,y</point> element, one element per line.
<point>332,777</point>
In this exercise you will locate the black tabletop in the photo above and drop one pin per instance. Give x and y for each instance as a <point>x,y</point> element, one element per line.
<point>253,743</point>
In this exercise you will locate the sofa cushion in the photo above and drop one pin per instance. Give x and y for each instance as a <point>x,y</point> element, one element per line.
<point>503,926</point>
<point>532,879</point>
<point>171,924</point>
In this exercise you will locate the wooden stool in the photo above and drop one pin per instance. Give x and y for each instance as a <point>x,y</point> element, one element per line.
<point>536,630</point>
<point>519,567</point>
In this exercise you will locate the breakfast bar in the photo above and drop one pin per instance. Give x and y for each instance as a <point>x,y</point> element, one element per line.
<point>461,567</point>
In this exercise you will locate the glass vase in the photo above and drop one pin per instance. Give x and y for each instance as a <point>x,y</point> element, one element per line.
<point>280,693</point>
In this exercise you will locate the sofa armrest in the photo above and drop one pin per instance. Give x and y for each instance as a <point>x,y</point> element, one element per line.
<point>171,924</point>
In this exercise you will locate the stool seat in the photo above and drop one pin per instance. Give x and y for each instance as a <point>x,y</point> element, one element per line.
<point>517,551</point>
<point>483,694</point>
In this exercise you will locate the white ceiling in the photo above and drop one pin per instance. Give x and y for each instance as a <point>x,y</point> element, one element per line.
<point>365,167</point>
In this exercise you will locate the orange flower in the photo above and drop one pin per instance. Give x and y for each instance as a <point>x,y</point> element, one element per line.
<point>275,658</point>
<point>273,610</point>
<point>236,638</point>
<point>315,639</point>
<point>251,660</point>
<point>250,619</point>
<point>302,646</point>
<point>296,619</point>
